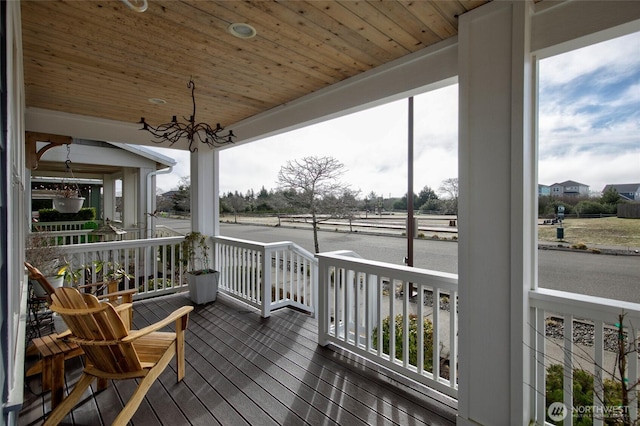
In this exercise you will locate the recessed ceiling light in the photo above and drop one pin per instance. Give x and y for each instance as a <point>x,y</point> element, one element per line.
<point>242,30</point>
<point>157,101</point>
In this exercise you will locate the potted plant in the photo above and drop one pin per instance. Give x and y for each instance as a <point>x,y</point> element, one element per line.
<point>68,201</point>
<point>112,273</point>
<point>72,277</point>
<point>43,253</point>
<point>203,281</point>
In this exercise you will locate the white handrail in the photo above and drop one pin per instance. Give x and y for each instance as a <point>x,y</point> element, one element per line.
<point>267,276</point>
<point>360,300</point>
<point>597,317</point>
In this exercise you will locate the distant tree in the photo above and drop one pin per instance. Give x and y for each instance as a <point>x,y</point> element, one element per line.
<point>163,204</point>
<point>312,180</point>
<point>610,196</point>
<point>182,196</point>
<point>401,204</point>
<point>433,205</point>
<point>343,206</point>
<point>425,195</point>
<point>370,202</point>
<point>237,203</point>
<point>280,202</point>
<point>449,190</point>
<point>263,195</point>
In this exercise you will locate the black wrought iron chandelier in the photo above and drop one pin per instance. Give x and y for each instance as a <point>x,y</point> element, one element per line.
<point>192,131</point>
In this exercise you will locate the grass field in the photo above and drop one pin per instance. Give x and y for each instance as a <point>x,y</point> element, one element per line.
<point>609,231</point>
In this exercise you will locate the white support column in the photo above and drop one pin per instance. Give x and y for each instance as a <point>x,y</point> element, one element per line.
<point>205,201</point>
<point>141,201</point>
<point>129,198</point>
<point>108,197</point>
<point>496,210</point>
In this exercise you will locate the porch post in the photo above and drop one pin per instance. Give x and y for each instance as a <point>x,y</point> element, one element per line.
<point>205,202</point>
<point>129,198</point>
<point>108,197</point>
<point>141,201</point>
<point>497,245</point>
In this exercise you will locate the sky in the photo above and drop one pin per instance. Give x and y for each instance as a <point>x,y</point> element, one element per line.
<point>589,132</point>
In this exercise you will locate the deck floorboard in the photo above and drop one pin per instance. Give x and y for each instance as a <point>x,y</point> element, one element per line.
<point>243,369</point>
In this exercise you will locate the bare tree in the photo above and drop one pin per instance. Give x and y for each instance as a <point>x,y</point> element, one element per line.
<point>182,196</point>
<point>237,203</point>
<point>449,189</point>
<point>313,180</point>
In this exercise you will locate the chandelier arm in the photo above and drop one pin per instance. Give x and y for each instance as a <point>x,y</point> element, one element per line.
<point>173,131</point>
<point>192,84</point>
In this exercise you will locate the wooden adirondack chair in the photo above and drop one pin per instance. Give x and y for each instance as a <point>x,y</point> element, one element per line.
<point>114,352</point>
<point>113,296</point>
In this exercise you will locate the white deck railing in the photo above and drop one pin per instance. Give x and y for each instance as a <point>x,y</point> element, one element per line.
<point>74,225</point>
<point>153,263</point>
<point>355,301</point>
<point>358,299</point>
<point>588,339</point>
<point>76,235</point>
<point>267,276</point>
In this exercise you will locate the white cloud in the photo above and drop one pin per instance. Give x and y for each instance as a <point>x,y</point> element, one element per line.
<point>621,51</point>
<point>371,144</point>
<point>589,118</point>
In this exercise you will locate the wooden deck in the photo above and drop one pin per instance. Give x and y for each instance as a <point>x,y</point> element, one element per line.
<point>242,369</point>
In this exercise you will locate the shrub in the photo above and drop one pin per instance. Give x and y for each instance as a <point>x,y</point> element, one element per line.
<point>413,344</point>
<point>589,207</point>
<point>157,284</point>
<point>583,391</point>
<point>579,246</point>
<point>53,215</point>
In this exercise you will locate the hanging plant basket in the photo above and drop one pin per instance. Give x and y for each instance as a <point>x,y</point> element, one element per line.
<point>68,200</point>
<point>68,204</point>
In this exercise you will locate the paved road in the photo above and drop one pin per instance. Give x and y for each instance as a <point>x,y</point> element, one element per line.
<point>616,277</point>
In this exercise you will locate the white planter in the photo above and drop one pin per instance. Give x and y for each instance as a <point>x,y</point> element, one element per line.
<point>68,205</point>
<point>56,281</point>
<point>203,288</point>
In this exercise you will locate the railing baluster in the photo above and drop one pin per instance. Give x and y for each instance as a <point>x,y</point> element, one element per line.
<point>598,383</point>
<point>392,319</point>
<point>337,300</point>
<point>436,336</point>
<point>453,339</point>
<point>405,323</point>
<point>632,374</point>
<point>420,317</point>
<point>540,357</point>
<point>369,307</point>
<point>379,318</point>
<point>568,368</point>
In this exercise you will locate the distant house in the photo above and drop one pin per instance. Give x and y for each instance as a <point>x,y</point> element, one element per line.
<point>544,190</point>
<point>628,191</point>
<point>569,188</point>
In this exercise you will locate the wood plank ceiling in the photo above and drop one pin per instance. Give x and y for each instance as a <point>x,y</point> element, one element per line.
<point>102,59</point>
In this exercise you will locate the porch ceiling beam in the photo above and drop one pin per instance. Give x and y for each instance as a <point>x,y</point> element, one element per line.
<point>33,154</point>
